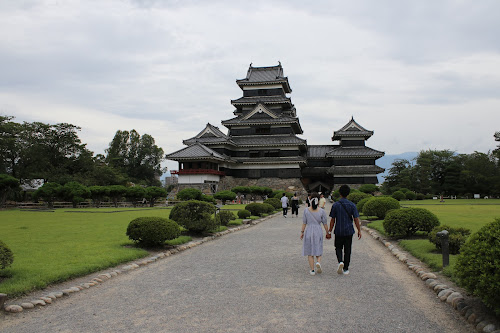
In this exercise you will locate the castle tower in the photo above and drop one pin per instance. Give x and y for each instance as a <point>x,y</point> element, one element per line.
<point>262,146</point>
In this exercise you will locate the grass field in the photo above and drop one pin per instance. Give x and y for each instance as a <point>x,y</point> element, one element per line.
<point>470,214</point>
<point>54,246</point>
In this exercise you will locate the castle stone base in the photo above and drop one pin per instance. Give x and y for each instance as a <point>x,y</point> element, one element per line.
<point>281,184</point>
<point>228,182</point>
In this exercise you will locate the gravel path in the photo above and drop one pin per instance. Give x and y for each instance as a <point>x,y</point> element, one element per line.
<point>254,280</point>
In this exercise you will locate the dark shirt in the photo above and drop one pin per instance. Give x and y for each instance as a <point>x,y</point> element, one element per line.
<point>295,202</point>
<point>343,220</point>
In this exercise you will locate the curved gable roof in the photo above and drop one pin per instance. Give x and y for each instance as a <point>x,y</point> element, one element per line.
<point>352,129</point>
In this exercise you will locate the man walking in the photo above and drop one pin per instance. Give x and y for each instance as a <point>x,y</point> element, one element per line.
<point>284,204</point>
<point>342,214</point>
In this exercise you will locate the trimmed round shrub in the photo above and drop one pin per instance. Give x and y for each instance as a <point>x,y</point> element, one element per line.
<point>152,231</point>
<point>6,256</point>
<point>398,195</point>
<point>380,206</point>
<point>194,215</point>
<point>256,209</point>
<point>336,194</point>
<point>399,223</point>
<point>278,195</point>
<point>478,262</point>
<point>225,196</point>
<point>269,209</point>
<point>457,237</point>
<point>189,194</point>
<point>275,202</point>
<point>410,195</point>
<point>208,198</point>
<point>420,196</point>
<point>244,214</point>
<point>357,196</point>
<point>368,188</point>
<point>362,203</point>
<point>224,216</point>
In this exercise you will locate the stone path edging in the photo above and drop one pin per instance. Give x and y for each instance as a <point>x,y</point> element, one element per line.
<point>444,292</point>
<point>103,277</point>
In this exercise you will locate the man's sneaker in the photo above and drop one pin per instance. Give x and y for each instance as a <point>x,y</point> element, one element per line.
<point>312,272</point>
<point>284,216</point>
<point>346,272</point>
<point>340,268</point>
<point>318,267</point>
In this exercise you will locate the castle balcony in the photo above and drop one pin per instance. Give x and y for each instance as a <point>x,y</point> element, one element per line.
<point>197,172</point>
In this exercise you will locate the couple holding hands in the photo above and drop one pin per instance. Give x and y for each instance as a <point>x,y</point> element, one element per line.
<point>342,214</point>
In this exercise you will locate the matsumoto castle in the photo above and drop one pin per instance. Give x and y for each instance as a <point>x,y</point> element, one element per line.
<point>262,147</point>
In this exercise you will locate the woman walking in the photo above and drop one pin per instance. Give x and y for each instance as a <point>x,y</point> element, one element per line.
<point>295,205</point>
<point>312,235</point>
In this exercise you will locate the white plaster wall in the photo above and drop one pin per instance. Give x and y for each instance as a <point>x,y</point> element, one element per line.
<point>197,179</point>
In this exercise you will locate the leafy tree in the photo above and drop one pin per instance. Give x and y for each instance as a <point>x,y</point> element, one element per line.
<point>116,192</point>
<point>8,184</point>
<point>260,191</point>
<point>241,189</point>
<point>51,152</point>
<point>135,194</point>
<point>9,148</point>
<point>401,174</point>
<point>153,193</point>
<point>444,172</point>
<point>49,192</point>
<point>97,193</point>
<point>480,173</point>
<point>496,152</point>
<point>225,196</point>
<point>189,194</point>
<point>137,156</point>
<point>75,192</point>
<point>105,175</point>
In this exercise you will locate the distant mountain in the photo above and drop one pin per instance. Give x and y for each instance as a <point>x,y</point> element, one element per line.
<point>386,162</point>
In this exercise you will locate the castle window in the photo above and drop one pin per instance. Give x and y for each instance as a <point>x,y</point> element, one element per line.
<point>272,153</point>
<point>263,130</point>
<point>254,153</point>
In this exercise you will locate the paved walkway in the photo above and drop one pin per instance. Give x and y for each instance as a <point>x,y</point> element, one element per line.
<point>254,280</point>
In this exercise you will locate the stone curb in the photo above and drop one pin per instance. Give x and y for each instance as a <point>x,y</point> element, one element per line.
<point>444,293</point>
<point>103,277</point>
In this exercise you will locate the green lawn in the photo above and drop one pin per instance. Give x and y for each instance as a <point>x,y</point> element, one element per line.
<point>470,214</point>
<point>54,246</point>
<point>51,247</point>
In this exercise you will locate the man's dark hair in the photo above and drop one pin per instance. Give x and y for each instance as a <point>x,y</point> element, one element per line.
<point>344,190</point>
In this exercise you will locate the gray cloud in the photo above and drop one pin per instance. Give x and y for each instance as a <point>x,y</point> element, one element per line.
<point>401,68</point>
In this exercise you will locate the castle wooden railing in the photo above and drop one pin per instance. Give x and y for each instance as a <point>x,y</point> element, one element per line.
<point>197,172</point>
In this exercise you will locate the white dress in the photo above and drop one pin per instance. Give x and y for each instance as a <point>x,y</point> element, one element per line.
<point>313,235</point>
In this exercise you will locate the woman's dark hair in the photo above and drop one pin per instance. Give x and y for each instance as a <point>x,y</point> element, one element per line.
<point>314,203</point>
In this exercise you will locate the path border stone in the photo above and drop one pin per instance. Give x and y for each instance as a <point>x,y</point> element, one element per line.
<point>444,292</point>
<point>103,277</point>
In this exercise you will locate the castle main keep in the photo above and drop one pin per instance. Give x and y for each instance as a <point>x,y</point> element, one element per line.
<point>262,147</point>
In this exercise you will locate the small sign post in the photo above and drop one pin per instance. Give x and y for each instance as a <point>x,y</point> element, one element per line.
<point>445,246</point>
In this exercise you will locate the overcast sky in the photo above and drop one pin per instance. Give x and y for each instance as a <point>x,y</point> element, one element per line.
<point>421,74</point>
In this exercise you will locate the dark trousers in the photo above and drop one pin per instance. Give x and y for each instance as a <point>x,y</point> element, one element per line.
<point>343,246</point>
<point>295,210</point>
<point>285,210</point>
